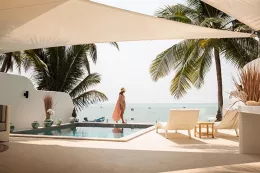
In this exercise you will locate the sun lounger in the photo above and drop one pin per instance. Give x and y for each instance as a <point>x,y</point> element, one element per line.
<point>229,121</point>
<point>180,119</point>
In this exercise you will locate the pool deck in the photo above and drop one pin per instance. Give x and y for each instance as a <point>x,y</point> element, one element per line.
<point>149,153</point>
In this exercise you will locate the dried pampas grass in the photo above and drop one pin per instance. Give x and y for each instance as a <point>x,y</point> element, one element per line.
<point>48,104</point>
<point>248,85</point>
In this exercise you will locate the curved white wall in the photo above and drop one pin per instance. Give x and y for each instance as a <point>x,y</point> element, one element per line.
<point>26,110</point>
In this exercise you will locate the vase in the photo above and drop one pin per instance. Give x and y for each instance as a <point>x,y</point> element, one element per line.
<point>35,124</point>
<point>72,120</point>
<point>11,127</point>
<point>58,122</point>
<point>48,122</point>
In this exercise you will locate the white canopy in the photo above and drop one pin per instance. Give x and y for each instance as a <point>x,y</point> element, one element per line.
<point>246,11</point>
<point>29,24</point>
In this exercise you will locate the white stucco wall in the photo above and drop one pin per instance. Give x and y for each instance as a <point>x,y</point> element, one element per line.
<point>26,110</point>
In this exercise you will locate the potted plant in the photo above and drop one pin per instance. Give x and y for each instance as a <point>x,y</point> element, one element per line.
<point>48,106</point>
<point>58,122</point>
<point>248,91</point>
<point>11,127</point>
<point>73,118</point>
<point>35,124</point>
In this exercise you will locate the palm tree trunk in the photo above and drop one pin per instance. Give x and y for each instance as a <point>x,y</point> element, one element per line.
<point>219,81</point>
<point>4,67</point>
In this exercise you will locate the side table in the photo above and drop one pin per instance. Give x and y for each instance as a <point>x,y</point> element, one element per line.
<point>208,125</point>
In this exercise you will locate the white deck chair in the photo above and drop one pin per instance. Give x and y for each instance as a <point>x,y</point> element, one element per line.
<point>180,119</point>
<point>229,121</point>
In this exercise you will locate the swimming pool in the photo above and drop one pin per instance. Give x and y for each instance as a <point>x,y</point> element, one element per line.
<point>99,131</point>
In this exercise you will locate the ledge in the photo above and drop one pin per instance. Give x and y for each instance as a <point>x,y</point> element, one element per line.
<point>249,109</point>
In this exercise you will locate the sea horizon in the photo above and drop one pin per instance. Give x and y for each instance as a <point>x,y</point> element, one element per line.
<point>146,112</point>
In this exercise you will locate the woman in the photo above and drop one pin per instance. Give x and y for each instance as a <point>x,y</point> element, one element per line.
<point>120,107</point>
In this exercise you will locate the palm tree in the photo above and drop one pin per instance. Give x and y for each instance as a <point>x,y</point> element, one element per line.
<point>65,69</point>
<point>90,50</point>
<point>10,60</point>
<point>192,59</point>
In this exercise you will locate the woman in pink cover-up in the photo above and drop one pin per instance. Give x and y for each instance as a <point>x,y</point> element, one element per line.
<point>120,107</point>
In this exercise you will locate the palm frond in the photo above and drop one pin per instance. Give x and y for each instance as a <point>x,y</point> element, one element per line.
<point>239,51</point>
<point>34,60</point>
<point>92,51</point>
<point>161,66</point>
<point>179,13</point>
<point>202,66</point>
<point>18,61</point>
<point>9,65</point>
<point>195,4</point>
<point>87,64</point>
<point>88,98</point>
<point>181,82</point>
<point>2,56</point>
<point>236,25</point>
<point>73,72</point>
<point>208,22</point>
<point>41,75</point>
<point>168,60</point>
<point>90,81</point>
<point>115,44</point>
<point>184,77</point>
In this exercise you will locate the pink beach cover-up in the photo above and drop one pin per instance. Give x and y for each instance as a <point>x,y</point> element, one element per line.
<point>118,111</point>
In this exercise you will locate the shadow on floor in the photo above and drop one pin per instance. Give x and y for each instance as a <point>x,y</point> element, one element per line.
<point>32,158</point>
<point>211,148</point>
<point>180,138</point>
<point>227,137</point>
<point>3,147</point>
<point>236,168</point>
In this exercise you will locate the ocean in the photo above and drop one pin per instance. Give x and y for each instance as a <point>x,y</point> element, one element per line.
<point>145,113</point>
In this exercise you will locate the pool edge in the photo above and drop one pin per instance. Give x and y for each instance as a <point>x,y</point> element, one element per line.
<point>123,139</point>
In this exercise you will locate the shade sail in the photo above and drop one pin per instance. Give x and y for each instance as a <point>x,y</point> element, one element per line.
<point>30,24</point>
<point>246,11</point>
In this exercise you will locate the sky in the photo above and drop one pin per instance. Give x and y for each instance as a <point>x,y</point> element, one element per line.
<point>129,67</point>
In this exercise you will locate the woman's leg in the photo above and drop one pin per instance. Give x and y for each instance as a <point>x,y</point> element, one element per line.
<point>122,116</point>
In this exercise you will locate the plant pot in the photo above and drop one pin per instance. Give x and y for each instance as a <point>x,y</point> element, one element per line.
<point>35,124</point>
<point>11,127</point>
<point>58,122</point>
<point>72,120</point>
<point>48,122</point>
<point>249,118</point>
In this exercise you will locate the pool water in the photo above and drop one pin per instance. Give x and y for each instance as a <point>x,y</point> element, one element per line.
<point>94,132</point>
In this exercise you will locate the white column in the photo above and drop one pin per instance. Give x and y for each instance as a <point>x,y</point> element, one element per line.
<point>4,135</point>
